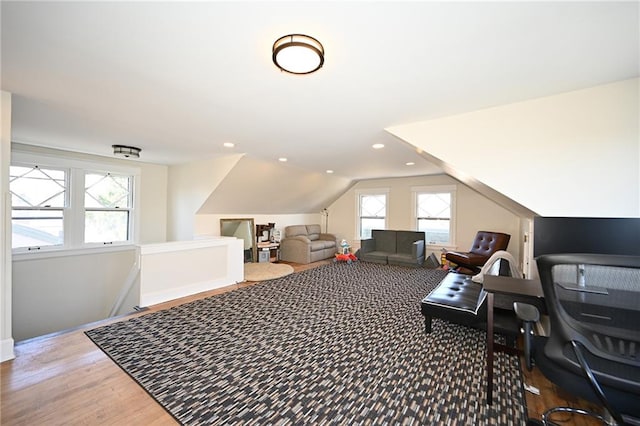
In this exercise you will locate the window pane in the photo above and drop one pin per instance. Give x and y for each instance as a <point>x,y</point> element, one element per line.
<point>434,205</point>
<point>106,226</point>
<point>366,225</point>
<point>36,187</point>
<point>373,205</point>
<point>434,216</point>
<point>37,228</point>
<point>106,190</point>
<point>436,231</point>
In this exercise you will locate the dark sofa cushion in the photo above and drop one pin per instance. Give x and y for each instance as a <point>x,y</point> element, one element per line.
<point>385,240</point>
<point>405,239</point>
<point>375,257</point>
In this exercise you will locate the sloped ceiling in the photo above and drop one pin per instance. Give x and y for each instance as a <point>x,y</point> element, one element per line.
<point>256,186</point>
<point>180,78</point>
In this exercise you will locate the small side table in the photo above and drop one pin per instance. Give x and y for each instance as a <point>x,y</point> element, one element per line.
<point>273,250</point>
<point>495,284</point>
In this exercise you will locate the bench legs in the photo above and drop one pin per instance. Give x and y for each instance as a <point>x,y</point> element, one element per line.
<point>427,324</point>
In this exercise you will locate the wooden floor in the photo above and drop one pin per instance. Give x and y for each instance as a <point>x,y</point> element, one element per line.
<point>64,379</point>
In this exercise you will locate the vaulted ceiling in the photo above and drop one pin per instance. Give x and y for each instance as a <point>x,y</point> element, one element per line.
<point>179,79</point>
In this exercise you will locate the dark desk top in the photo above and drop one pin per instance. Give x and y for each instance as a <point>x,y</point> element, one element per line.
<point>514,286</point>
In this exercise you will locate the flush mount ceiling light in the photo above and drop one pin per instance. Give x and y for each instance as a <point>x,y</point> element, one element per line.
<point>298,54</point>
<point>126,151</point>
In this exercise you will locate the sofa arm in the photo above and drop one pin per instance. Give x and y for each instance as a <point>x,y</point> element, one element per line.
<point>302,238</point>
<point>417,249</point>
<point>328,237</point>
<point>296,249</point>
<point>367,245</point>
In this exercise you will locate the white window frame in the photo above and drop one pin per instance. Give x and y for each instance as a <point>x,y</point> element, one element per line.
<point>436,189</point>
<point>370,192</point>
<point>74,212</point>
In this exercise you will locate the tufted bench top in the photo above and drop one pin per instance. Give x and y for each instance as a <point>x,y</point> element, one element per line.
<point>457,292</point>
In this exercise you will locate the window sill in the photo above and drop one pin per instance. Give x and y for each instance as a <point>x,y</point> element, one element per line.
<point>45,254</point>
<point>438,247</point>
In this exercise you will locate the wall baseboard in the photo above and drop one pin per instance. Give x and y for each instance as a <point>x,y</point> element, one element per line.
<point>6,350</point>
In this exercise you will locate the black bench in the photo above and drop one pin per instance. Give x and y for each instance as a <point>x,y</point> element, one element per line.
<point>459,300</point>
<point>456,299</point>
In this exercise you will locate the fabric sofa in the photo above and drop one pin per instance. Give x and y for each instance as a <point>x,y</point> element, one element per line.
<point>393,247</point>
<point>306,244</point>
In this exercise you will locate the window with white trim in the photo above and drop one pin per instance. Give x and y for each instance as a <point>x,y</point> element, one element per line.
<point>69,204</point>
<point>372,212</point>
<point>39,198</point>
<point>435,214</point>
<point>107,207</point>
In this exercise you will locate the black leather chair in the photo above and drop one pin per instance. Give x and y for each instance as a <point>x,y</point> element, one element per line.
<point>593,348</point>
<point>484,245</point>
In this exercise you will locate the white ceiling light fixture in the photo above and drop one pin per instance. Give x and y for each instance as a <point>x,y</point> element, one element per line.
<point>377,146</point>
<point>126,151</point>
<point>298,54</point>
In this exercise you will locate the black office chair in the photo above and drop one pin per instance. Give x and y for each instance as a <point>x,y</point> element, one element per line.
<point>593,350</point>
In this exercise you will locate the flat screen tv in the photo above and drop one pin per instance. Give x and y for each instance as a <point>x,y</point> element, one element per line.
<point>586,235</point>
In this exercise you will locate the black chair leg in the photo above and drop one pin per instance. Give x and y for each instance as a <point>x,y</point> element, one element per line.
<point>528,341</point>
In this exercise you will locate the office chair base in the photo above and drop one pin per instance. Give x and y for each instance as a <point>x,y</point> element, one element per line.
<point>547,414</point>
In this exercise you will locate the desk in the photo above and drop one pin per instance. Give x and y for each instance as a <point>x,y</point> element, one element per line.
<point>496,284</point>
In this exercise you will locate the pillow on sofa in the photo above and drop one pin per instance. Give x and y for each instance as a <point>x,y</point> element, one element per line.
<point>295,230</point>
<point>313,232</point>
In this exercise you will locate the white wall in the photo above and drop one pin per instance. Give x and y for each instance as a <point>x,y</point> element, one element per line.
<point>57,293</point>
<point>6,336</point>
<point>181,268</point>
<point>474,212</point>
<point>189,187</point>
<point>572,154</point>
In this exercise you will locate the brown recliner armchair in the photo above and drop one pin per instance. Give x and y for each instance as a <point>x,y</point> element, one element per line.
<point>485,244</point>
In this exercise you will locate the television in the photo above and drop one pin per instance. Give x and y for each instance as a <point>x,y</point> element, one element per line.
<point>553,235</point>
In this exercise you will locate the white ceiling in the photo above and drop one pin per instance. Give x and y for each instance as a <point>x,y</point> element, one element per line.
<point>179,79</point>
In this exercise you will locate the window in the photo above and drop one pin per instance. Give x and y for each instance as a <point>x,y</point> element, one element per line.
<point>38,197</point>
<point>68,204</point>
<point>434,212</point>
<point>107,203</point>
<point>372,212</point>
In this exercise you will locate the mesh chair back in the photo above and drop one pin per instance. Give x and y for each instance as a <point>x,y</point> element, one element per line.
<point>594,300</point>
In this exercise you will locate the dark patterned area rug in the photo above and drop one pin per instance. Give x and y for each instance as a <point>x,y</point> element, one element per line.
<point>339,344</point>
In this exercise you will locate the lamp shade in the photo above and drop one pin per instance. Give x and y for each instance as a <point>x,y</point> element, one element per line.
<point>298,54</point>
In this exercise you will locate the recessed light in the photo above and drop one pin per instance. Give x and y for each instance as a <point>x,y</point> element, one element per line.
<point>410,163</point>
<point>329,171</point>
<point>229,144</point>
<point>282,159</point>
<point>377,146</point>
